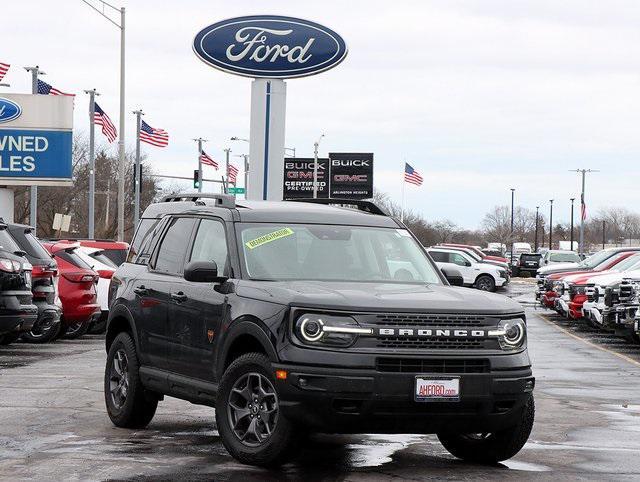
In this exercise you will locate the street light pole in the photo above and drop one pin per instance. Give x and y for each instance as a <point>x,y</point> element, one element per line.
<point>551,224</point>
<point>137,176</point>
<point>315,166</point>
<point>245,157</point>
<point>92,162</point>
<point>121,135</point>
<point>535,243</point>
<point>33,207</point>
<point>513,191</point>
<point>572,199</point>
<point>226,152</point>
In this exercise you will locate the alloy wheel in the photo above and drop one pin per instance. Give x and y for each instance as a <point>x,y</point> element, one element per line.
<point>119,378</point>
<point>252,409</point>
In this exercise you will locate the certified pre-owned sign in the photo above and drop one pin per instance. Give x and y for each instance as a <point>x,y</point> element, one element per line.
<point>267,46</point>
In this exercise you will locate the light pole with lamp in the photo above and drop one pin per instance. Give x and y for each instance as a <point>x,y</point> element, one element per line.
<point>550,223</point>
<point>513,192</point>
<point>572,199</point>
<point>535,243</point>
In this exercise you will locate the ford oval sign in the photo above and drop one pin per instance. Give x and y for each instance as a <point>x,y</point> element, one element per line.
<point>9,110</point>
<point>267,46</point>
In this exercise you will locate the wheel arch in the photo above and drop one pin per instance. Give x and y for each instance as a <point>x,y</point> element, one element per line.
<point>120,319</point>
<point>248,336</point>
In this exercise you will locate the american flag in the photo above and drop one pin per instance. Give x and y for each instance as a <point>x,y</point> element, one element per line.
<point>411,175</point>
<point>46,89</point>
<point>3,69</point>
<point>232,174</point>
<point>101,118</point>
<point>205,159</point>
<point>583,208</point>
<point>155,137</point>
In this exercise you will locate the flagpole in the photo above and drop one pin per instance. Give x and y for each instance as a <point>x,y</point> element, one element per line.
<point>33,208</point>
<point>402,203</point>
<point>92,162</point>
<point>136,175</point>
<point>226,186</point>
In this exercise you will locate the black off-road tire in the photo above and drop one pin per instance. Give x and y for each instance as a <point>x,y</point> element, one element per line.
<point>495,447</point>
<point>279,445</point>
<point>139,405</point>
<point>73,331</point>
<point>44,337</point>
<point>485,282</point>
<point>9,338</point>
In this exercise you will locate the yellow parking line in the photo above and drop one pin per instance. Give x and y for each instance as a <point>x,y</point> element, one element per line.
<point>587,342</point>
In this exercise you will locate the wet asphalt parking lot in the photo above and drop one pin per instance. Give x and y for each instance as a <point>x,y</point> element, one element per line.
<point>53,425</point>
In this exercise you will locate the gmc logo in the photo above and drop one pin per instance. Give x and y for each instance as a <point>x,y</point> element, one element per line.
<point>429,333</point>
<point>350,178</point>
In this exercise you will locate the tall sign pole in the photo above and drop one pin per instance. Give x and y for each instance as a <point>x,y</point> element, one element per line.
<point>200,140</point>
<point>137,171</point>
<point>535,243</point>
<point>315,166</point>
<point>92,162</point>
<point>583,206</point>
<point>33,206</point>
<point>121,133</point>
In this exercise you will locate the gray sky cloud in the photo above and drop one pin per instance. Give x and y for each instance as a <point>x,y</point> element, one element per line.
<point>479,96</point>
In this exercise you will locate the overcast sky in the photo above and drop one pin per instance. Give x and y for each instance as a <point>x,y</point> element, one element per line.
<point>479,96</point>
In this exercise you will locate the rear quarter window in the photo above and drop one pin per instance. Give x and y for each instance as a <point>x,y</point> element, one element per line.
<point>144,240</point>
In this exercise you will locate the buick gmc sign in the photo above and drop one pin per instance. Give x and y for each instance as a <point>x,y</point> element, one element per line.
<point>268,46</point>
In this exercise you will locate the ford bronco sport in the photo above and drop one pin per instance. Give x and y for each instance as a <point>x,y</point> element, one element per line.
<point>291,317</point>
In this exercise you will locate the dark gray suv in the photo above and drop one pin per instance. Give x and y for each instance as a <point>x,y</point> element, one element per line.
<point>290,317</point>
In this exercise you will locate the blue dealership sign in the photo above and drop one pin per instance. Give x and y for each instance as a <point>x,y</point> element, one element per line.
<point>35,154</point>
<point>9,110</point>
<point>268,46</point>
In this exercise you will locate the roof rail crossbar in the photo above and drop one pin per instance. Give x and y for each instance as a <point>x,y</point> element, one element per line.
<point>221,200</point>
<point>361,204</point>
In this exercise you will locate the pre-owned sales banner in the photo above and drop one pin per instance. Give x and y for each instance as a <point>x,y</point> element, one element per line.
<point>298,178</point>
<point>351,175</point>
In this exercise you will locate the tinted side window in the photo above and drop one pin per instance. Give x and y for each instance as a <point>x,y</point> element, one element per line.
<point>210,244</point>
<point>439,256</point>
<point>458,259</point>
<point>173,247</point>
<point>141,241</point>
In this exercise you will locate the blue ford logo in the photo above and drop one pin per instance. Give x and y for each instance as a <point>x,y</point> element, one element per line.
<point>9,110</point>
<point>269,47</point>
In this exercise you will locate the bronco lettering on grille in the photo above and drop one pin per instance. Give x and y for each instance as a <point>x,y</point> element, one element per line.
<point>430,333</point>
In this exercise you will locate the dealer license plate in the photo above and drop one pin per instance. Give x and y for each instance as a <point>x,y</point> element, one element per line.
<point>429,389</point>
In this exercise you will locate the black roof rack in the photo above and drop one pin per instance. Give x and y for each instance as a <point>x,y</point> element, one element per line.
<point>221,200</point>
<point>361,204</point>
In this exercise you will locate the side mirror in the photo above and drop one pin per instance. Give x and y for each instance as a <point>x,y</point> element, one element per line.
<point>203,272</point>
<point>453,277</point>
<point>467,263</point>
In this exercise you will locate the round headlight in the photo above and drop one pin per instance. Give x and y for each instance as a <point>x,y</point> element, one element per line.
<point>513,333</point>
<point>311,328</point>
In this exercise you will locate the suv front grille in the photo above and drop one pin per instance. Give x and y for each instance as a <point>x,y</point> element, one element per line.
<point>433,365</point>
<point>429,320</point>
<point>433,344</point>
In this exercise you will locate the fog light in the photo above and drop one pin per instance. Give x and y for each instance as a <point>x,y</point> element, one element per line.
<point>281,374</point>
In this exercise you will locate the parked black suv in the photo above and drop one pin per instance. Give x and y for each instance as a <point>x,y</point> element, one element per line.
<point>17,311</point>
<point>296,316</point>
<point>529,263</point>
<point>44,274</point>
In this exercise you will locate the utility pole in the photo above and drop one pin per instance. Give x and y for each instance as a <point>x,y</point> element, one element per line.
<point>535,243</point>
<point>137,171</point>
<point>551,224</point>
<point>33,207</point>
<point>315,166</point>
<point>226,152</point>
<point>604,236</point>
<point>583,206</point>
<point>92,162</point>
<point>513,191</point>
<point>245,157</point>
<point>572,199</point>
<point>200,140</point>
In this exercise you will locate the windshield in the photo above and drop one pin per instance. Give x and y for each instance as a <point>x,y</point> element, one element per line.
<point>333,253</point>
<point>565,257</point>
<point>595,259</point>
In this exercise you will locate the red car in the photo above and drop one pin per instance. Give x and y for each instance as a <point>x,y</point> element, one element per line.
<point>116,251</point>
<point>549,298</point>
<point>76,289</point>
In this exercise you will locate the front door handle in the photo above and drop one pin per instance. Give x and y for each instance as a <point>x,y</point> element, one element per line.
<point>179,297</point>
<point>140,290</point>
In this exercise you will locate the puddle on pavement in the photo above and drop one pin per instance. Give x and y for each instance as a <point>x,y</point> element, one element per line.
<point>525,466</point>
<point>377,450</point>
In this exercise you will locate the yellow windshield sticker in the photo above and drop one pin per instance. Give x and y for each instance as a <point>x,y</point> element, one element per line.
<point>267,238</point>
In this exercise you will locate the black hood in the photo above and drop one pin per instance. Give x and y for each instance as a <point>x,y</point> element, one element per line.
<point>378,297</point>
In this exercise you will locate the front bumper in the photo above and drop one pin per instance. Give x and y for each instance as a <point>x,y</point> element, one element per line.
<point>562,306</point>
<point>593,311</point>
<point>341,400</point>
